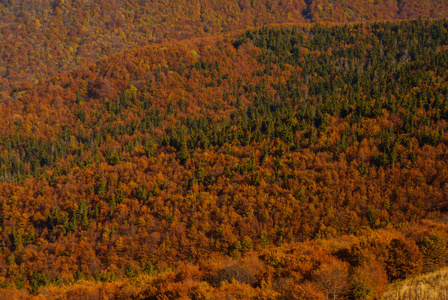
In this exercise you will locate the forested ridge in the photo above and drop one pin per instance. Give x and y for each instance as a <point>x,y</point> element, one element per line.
<point>43,37</point>
<point>289,162</point>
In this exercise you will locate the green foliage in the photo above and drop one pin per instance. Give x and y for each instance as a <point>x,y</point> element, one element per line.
<point>37,280</point>
<point>435,252</point>
<point>359,288</point>
<point>130,271</point>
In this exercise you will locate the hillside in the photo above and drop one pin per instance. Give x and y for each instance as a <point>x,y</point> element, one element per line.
<point>43,37</point>
<point>271,162</point>
<point>431,286</point>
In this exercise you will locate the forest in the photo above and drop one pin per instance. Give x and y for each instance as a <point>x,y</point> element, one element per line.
<point>40,38</point>
<point>305,160</point>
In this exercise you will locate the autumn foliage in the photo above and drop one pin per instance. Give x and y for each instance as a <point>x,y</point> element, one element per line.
<point>287,161</point>
<point>41,38</point>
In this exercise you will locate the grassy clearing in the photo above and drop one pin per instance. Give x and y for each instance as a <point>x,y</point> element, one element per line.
<point>429,286</point>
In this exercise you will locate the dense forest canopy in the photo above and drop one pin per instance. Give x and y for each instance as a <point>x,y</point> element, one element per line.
<point>258,165</point>
<point>43,37</point>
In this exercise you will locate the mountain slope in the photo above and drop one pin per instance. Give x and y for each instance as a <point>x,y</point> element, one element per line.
<point>42,38</point>
<point>238,147</point>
